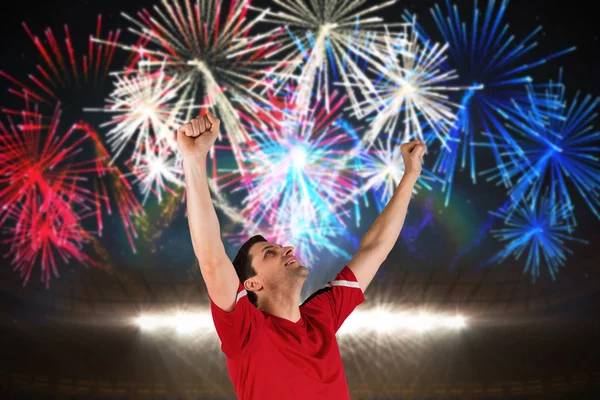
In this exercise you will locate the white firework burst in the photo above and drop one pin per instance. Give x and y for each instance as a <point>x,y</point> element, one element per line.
<point>412,88</point>
<point>214,50</point>
<point>146,109</point>
<point>157,170</point>
<point>382,168</point>
<point>334,36</point>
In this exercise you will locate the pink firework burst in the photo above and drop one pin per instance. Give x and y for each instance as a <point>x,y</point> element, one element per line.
<point>296,183</point>
<point>36,159</point>
<point>44,191</point>
<point>46,228</point>
<point>69,79</point>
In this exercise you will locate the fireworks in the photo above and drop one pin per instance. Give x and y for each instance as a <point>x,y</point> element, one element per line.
<point>532,232</point>
<point>290,163</point>
<point>44,198</point>
<point>296,179</point>
<point>486,56</point>
<point>68,79</point>
<point>412,84</point>
<point>158,167</point>
<point>334,37</point>
<point>43,230</point>
<point>381,169</point>
<point>62,71</point>
<point>222,62</point>
<point>148,110</point>
<point>552,148</point>
<point>36,160</point>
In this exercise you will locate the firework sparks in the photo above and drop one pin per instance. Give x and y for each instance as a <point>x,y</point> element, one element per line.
<point>61,70</point>
<point>158,168</point>
<point>532,231</point>
<point>335,37</point>
<point>43,230</point>
<point>222,62</point>
<point>553,148</point>
<point>43,193</point>
<point>147,110</point>
<point>412,89</point>
<point>382,168</point>
<point>488,56</point>
<point>35,159</point>
<point>296,180</point>
<point>67,79</point>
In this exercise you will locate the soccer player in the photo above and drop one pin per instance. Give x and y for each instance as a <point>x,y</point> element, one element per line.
<point>275,347</point>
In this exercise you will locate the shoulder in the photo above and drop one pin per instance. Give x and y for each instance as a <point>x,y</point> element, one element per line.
<point>317,296</point>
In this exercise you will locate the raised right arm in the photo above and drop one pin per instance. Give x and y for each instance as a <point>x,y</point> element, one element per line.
<point>195,140</point>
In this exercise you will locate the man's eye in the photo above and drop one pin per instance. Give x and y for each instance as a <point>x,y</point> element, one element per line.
<point>268,252</point>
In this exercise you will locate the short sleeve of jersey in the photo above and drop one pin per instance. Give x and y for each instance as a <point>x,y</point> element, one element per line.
<point>237,329</point>
<point>338,297</point>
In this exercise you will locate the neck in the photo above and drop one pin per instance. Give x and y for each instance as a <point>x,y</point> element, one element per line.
<point>283,303</point>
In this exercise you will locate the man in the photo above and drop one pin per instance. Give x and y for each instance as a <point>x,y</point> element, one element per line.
<point>276,348</point>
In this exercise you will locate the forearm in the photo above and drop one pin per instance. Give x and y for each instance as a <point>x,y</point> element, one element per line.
<point>202,218</point>
<point>384,232</point>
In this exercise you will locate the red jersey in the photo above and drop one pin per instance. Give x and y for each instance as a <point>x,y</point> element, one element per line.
<point>269,357</point>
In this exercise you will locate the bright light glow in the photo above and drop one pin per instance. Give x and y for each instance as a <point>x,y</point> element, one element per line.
<point>359,322</point>
<point>299,158</point>
<point>182,322</point>
<point>186,323</point>
<point>382,322</point>
<point>147,323</point>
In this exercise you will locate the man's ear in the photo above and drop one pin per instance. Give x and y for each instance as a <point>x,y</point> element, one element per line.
<point>252,285</point>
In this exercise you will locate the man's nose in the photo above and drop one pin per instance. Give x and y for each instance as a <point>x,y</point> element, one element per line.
<point>288,250</point>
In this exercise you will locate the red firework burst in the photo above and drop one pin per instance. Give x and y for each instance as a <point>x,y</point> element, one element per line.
<point>61,67</point>
<point>34,158</point>
<point>44,194</point>
<point>47,227</point>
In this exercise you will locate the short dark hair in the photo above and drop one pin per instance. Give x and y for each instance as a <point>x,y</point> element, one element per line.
<point>243,264</point>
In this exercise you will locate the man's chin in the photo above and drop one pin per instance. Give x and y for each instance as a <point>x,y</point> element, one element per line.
<point>303,269</point>
<point>299,269</point>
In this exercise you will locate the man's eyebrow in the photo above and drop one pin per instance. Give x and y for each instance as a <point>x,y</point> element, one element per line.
<point>266,247</point>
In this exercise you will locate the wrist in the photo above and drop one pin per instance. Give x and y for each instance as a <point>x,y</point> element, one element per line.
<point>411,175</point>
<point>194,158</point>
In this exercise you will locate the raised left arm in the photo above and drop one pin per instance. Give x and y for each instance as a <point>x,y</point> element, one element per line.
<point>381,237</point>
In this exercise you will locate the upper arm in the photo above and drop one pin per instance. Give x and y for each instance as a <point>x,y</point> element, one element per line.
<point>237,321</point>
<point>221,282</point>
<point>365,264</point>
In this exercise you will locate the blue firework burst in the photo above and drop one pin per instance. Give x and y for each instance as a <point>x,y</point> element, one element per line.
<point>554,149</point>
<point>532,232</point>
<point>496,65</point>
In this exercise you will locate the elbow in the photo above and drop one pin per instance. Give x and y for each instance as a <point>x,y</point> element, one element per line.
<point>376,246</point>
<point>377,252</point>
<point>213,255</point>
<point>209,262</point>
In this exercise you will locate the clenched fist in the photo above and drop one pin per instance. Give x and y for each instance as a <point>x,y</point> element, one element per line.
<point>411,154</point>
<point>197,136</point>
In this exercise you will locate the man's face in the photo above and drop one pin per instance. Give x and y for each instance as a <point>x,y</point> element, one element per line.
<point>276,265</point>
